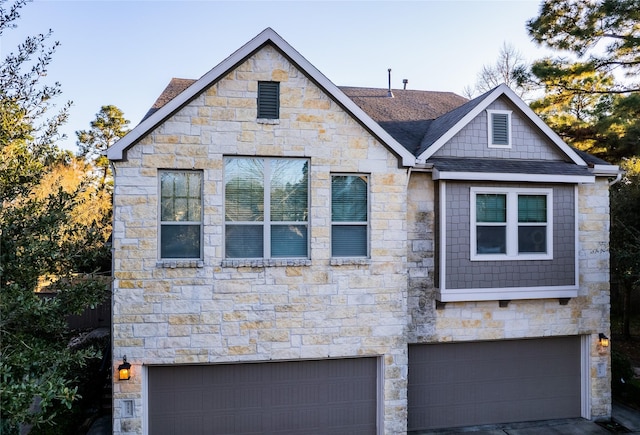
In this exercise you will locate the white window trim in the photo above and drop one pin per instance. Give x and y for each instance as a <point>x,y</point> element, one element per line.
<point>490,114</point>
<point>366,223</point>
<point>511,224</point>
<point>182,261</point>
<point>266,223</point>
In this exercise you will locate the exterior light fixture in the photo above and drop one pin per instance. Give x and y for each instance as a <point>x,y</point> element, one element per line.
<point>603,340</point>
<point>124,370</point>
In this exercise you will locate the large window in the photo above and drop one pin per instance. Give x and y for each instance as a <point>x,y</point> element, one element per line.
<point>349,216</point>
<point>180,214</point>
<point>266,208</point>
<point>511,224</point>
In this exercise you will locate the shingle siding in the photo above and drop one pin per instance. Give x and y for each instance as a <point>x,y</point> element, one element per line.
<point>526,141</point>
<point>463,273</point>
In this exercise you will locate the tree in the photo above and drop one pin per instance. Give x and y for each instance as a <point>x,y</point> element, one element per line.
<point>108,127</point>
<point>625,236</point>
<point>510,68</point>
<point>590,98</point>
<point>604,34</point>
<point>46,235</point>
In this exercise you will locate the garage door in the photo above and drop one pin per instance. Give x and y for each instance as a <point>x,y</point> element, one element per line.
<point>466,384</point>
<point>301,397</point>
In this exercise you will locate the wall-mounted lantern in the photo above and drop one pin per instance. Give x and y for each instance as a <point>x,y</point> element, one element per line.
<point>603,340</point>
<point>124,370</point>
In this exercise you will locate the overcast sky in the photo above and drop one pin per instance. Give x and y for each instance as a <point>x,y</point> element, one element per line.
<point>125,52</point>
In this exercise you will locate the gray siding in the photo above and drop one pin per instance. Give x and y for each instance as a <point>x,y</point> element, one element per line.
<point>462,273</point>
<point>527,141</point>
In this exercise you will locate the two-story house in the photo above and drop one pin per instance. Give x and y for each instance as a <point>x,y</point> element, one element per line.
<point>293,257</point>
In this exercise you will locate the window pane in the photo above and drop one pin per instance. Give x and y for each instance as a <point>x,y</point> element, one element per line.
<point>532,239</point>
<point>491,208</point>
<point>532,208</point>
<point>244,190</point>
<point>289,241</point>
<point>244,241</point>
<point>289,190</point>
<point>180,241</point>
<point>491,240</point>
<point>349,241</point>
<point>181,196</point>
<point>348,198</point>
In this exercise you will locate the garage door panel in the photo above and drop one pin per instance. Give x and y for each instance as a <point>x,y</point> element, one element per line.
<point>310,397</point>
<point>464,384</point>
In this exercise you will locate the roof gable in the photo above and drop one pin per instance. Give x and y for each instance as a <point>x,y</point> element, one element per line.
<point>444,128</point>
<point>267,36</point>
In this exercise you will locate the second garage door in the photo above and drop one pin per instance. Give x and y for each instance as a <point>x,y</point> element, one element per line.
<point>466,384</point>
<point>294,397</point>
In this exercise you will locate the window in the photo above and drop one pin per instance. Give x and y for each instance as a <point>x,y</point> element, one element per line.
<point>180,214</point>
<point>349,216</point>
<point>511,224</point>
<point>499,128</point>
<point>268,100</point>
<point>266,208</point>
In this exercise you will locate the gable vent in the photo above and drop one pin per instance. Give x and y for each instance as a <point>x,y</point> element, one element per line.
<point>500,126</point>
<point>269,100</point>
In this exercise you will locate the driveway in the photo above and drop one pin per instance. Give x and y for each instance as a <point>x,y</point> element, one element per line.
<point>624,420</point>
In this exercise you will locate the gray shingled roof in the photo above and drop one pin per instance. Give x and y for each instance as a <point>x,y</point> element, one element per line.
<point>444,123</point>
<point>416,119</point>
<point>409,115</point>
<point>533,167</point>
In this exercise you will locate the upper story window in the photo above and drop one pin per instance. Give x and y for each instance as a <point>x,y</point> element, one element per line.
<point>268,100</point>
<point>266,207</point>
<point>349,216</point>
<point>511,224</point>
<point>180,214</point>
<point>499,128</point>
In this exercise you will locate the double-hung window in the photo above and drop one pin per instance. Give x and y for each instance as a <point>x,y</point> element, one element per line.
<point>511,224</point>
<point>266,207</point>
<point>180,214</point>
<point>349,216</point>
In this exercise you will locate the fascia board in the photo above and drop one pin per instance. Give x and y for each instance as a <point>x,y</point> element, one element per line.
<point>605,170</point>
<point>524,108</point>
<point>511,293</point>
<point>442,140</point>
<point>506,176</point>
<point>116,152</point>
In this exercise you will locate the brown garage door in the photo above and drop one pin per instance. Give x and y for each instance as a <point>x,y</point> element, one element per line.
<point>466,384</point>
<point>294,397</point>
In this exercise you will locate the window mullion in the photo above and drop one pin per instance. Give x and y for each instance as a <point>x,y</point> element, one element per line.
<point>512,224</point>
<point>267,210</point>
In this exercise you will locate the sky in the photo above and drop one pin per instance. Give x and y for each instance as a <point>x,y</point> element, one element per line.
<point>124,53</point>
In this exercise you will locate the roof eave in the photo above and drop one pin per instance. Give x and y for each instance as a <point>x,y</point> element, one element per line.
<point>512,177</point>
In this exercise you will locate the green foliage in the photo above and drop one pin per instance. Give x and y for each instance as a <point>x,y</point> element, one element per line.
<point>625,228</point>
<point>591,100</point>
<point>47,239</point>
<point>109,126</point>
<point>605,32</point>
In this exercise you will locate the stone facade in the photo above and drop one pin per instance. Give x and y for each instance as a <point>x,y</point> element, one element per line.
<point>217,310</point>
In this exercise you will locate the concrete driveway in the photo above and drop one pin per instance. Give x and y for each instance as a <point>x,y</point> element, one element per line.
<point>624,420</point>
